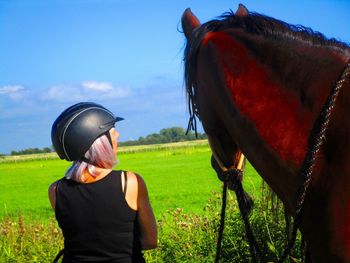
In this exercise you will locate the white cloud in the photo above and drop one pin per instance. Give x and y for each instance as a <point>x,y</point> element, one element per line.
<point>10,89</point>
<point>14,92</point>
<point>98,86</point>
<point>87,90</point>
<point>63,93</point>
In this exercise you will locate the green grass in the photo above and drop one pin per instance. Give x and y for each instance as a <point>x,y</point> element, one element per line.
<point>24,187</point>
<point>177,176</point>
<point>184,191</point>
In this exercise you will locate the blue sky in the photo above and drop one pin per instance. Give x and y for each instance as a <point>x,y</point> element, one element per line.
<point>126,55</point>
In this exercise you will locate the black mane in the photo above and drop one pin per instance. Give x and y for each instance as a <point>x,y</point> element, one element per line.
<point>259,24</point>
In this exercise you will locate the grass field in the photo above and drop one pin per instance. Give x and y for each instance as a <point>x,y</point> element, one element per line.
<point>178,175</point>
<point>185,194</point>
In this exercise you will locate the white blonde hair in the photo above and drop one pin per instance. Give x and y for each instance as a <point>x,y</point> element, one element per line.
<point>100,155</point>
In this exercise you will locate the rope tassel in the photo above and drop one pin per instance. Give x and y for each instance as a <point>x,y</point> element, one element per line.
<point>232,178</point>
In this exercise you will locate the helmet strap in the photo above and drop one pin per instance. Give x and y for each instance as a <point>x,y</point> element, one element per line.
<point>109,138</point>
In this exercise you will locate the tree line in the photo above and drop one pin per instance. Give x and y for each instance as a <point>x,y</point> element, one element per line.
<point>173,134</point>
<point>32,151</point>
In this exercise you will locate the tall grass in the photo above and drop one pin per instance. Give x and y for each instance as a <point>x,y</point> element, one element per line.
<point>28,242</point>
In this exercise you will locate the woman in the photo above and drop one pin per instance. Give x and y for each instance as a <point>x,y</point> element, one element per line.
<point>105,215</point>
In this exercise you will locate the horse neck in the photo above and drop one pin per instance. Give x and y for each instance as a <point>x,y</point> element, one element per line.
<point>295,64</point>
<point>278,90</point>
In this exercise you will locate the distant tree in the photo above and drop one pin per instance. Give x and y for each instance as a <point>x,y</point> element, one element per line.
<point>155,138</point>
<point>47,149</point>
<point>32,151</point>
<point>173,134</point>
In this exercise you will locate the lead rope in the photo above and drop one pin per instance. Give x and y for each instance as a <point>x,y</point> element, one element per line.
<point>60,254</point>
<point>245,203</point>
<point>222,223</point>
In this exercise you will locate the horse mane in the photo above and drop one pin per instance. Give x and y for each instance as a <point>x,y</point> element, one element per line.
<point>256,24</point>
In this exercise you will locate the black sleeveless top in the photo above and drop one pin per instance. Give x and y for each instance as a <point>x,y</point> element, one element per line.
<point>97,223</point>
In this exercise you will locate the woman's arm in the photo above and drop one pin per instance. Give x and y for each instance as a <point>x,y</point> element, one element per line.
<point>147,222</point>
<point>52,194</point>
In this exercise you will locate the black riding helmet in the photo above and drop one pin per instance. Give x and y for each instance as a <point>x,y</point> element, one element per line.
<point>76,128</point>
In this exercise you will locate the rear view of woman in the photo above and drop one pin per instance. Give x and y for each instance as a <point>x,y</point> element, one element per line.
<point>105,215</point>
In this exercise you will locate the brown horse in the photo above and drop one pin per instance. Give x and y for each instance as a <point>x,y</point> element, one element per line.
<point>279,93</point>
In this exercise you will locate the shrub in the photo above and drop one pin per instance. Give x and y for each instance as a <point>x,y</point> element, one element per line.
<point>192,238</point>
<point>29,242</point>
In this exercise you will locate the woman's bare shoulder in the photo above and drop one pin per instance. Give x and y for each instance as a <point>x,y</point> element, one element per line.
<point>52,193</point>
<point>53,186</point>
<point>136,179</point>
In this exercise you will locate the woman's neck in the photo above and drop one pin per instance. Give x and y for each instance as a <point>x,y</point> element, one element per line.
<point>101,173</point>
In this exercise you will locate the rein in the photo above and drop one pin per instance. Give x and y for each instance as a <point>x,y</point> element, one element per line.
<point>234,175</point>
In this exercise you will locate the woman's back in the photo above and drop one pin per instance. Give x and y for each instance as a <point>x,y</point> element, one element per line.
<point>96,221</point>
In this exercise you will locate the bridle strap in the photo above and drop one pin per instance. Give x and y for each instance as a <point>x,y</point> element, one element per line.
<point>216,157</point>
<point>234,175</point>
